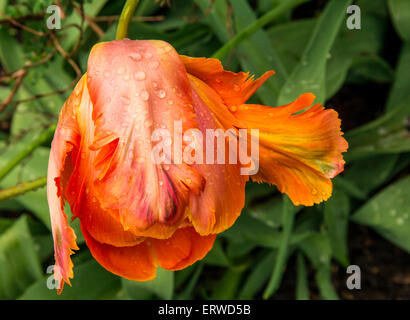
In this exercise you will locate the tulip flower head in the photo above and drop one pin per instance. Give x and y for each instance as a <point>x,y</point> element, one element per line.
<point>143,155</point>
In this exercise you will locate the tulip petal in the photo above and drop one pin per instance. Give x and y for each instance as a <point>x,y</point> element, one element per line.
<point>137,87</point>
<point>134,263</point>
<point>299,153</point>
<point>184,248</point>
<point>234,88</point>
<point>103,226</point>
<point>65,142</point>
<point>221,202</point>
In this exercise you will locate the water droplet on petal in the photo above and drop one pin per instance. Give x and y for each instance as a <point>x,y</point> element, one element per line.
<point>154,84</point>
<point>148,55</point>
<point>126,77</point>
<point>170,102</point>
<point>120,70</point>
<point>236,87</point>
<point>144,95</point>
<point>140,75</point>
<point>77,91</point>
<point>125,100</point>
<point>233,108</point>
<point>161,94</point>
<point>107,74</point>
<point>154,64</point>
<point>135,56</point>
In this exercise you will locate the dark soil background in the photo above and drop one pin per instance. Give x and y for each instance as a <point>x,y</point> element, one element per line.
<point>384,270</point>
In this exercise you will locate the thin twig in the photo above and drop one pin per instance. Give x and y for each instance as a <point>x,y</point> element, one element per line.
<point>23,27</point>
<point>19,81</point>
<point>22,188</point>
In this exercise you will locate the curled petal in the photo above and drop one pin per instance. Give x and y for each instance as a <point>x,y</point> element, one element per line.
<point>234,88</point>
<point>134,263</point>
<point>184,248</point>
<point>65,142</point>
<point>103,226</point>
<point>299,150</point>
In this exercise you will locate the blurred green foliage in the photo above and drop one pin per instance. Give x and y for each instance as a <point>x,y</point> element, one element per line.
<point>310,50</point>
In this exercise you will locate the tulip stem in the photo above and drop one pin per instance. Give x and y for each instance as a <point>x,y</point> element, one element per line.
<point>22,188</point>
<point>288,217</point>
<point>125,18</point>
<point>255,26</point>
<point>44,137</point>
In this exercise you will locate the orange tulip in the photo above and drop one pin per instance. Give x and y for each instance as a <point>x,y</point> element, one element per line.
<point>135,214</point>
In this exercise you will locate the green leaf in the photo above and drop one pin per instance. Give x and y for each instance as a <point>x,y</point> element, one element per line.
<point>288,217</point>
<point>43,239</point>
<point>255,190</point>
<point>238,249</point>
<point>309,75</point>
<point>5,223</point>
<point>257,55</point>
<point>189,288</point>
<point>371,68</point>
<point>216,256</point>
<point>290,48</point>
<point>388,212</point>
<point>70,35</point>
<point>399,93</point>
<point>35,167</point>
<point>302,285</point>
<point>20,265</point>
<point>324,282</point>
<point>162,286</point>
<point>259,275</point>
<point>91,281</point>
<point>216,13</point>
<point>317,249</point>
<point>11,55</point>
<point>386,139</point>
<point>400,12</point>
<point>270,211</point>
<point>227,287</point>
<point>248,231</point>
<point>377,7</point>
<point>369,173</point>
<point>337,216</point>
